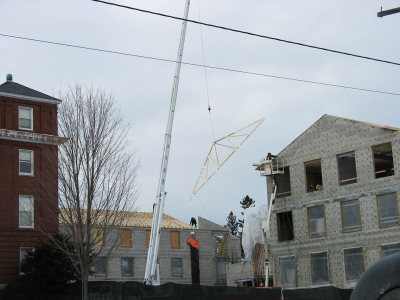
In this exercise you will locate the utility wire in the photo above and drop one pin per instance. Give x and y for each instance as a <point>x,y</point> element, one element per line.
<point>201,66</point>
<point>251,33</point>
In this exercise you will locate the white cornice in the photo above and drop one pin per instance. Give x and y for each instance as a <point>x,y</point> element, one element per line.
<point>30,137</point>
<point>37,99</point>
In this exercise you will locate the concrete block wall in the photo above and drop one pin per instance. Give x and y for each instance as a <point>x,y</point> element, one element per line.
<point>324,140</point>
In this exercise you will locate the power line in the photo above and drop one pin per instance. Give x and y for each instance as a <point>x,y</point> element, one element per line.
<point>251,33</point>
<point>201,65</point>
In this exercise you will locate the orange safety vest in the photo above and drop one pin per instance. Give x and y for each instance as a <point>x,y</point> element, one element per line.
<point>193,242</point>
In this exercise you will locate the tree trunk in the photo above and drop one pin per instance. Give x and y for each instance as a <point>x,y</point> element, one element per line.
<point>85,292</point>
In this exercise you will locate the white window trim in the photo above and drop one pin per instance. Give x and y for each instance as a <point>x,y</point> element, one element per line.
<point>19,125</point>
<point>20,257</point>
<point>33,211</point>
<point>32,173</point>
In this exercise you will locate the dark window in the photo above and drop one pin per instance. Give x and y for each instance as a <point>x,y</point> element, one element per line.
<point>383,160</point>
<point>316,221</point>
<point>285,226</point>
<point>127,266</point>
<point>390,249</point>
<point>313,175</point>
<point>176,267</point>
<point>388,210</point>
<point>351,218</point>
<point>23,253</point>
<point>353,263</point>
<point>319,267</point>
<point>347,168</point>
<point>25,162</point>
<point>100,266</point>
<point>283,182</point>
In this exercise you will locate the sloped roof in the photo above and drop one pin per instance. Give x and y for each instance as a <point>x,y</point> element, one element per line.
<point>209,225</point>
<point>144,220</point>
<point>13,89</point>
<point>326,116</point>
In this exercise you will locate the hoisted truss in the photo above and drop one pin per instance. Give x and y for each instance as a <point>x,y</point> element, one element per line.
<point>216,159</point>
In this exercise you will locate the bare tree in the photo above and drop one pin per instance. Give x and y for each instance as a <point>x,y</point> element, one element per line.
<point>96,175</point>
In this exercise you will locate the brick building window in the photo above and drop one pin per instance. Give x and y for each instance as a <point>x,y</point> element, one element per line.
<point>98,236</point>
<point>388,210</point>
<point>353,263</point>
<point>283,183</point>
<point>313,175</point>
<point>25,162</point>
<point>100,266</point>
<point>26,211</point>
<point>25,118</point>
<point>389,249</point>
<point>287,271</point>
<point>127,266</point>
<point>175,240</point>
<point>347,168</point>
<point>23,253</point>
<point>351,217</point>
<point>126,237</point>
<point>383,160</point>
<point>285,226</point>
<point>319,267</point>
<point>176,267</point>
<point>316,221</point>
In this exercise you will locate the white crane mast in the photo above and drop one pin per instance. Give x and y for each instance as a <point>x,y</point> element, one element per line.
<point>151,276</point>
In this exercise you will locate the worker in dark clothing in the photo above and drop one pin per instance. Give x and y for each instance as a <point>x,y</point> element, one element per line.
<point>270,156</point>
<point>193,222</point>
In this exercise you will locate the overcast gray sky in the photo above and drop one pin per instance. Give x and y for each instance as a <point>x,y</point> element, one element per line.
<point>142,87</point>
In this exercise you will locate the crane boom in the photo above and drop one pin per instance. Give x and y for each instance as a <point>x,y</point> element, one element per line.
<point>151,276</point>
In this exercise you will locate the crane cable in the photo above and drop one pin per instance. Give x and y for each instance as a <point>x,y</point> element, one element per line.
<point>205,72</point>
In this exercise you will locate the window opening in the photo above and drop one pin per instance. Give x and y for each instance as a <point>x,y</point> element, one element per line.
<point>175,240</point>
<point>388,210</point>
<point>288,271</point>
<point>26,212</point>
<point>25,118</point>
<point>23,253</point>
<point>176,267</point>
<point>347,168</point>
<point>25,162</point>
<point>285,226</point>
<point>283,183</point>
<point>316,221</point>
<point>126,237</point>
<point>389,249</point>
<point>383,160</point>
<point>351,217</point>
<point>100,266</point>
<point>353,263</point>
<point>127,266</point>
<point>319,267</point>
<point>313,175</point>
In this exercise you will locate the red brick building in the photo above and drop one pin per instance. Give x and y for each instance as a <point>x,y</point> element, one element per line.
<point>28,173</point>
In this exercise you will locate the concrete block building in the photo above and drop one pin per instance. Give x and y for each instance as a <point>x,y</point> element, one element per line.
<point>28,172</point>
<point>127,261</point>
<point>337,203</point>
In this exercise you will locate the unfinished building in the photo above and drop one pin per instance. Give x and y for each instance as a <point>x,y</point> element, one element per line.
<point>337,203</point>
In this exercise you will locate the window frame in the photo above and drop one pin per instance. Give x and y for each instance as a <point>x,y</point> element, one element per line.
<point>309,222</point>
<point>342,216</point>
<point>280,271</point>
<point>21,259</point>
<point>390,244</point>
<point>181,273</point>
<point>133,267</point>
<point>379,210</point>
<point>32,204</point>
<point>32,161</point>
<point>147,237</point>
<point>374,162</point>
<point>309,187</point>
<point>327,267</point>
<point>347,181</point>
<point>278,229</point>
<point>344,263</point>
<point>31,118</point>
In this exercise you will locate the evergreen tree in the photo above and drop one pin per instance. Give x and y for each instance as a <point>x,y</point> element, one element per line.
<point>232,224</point>
<point>245,203</point>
